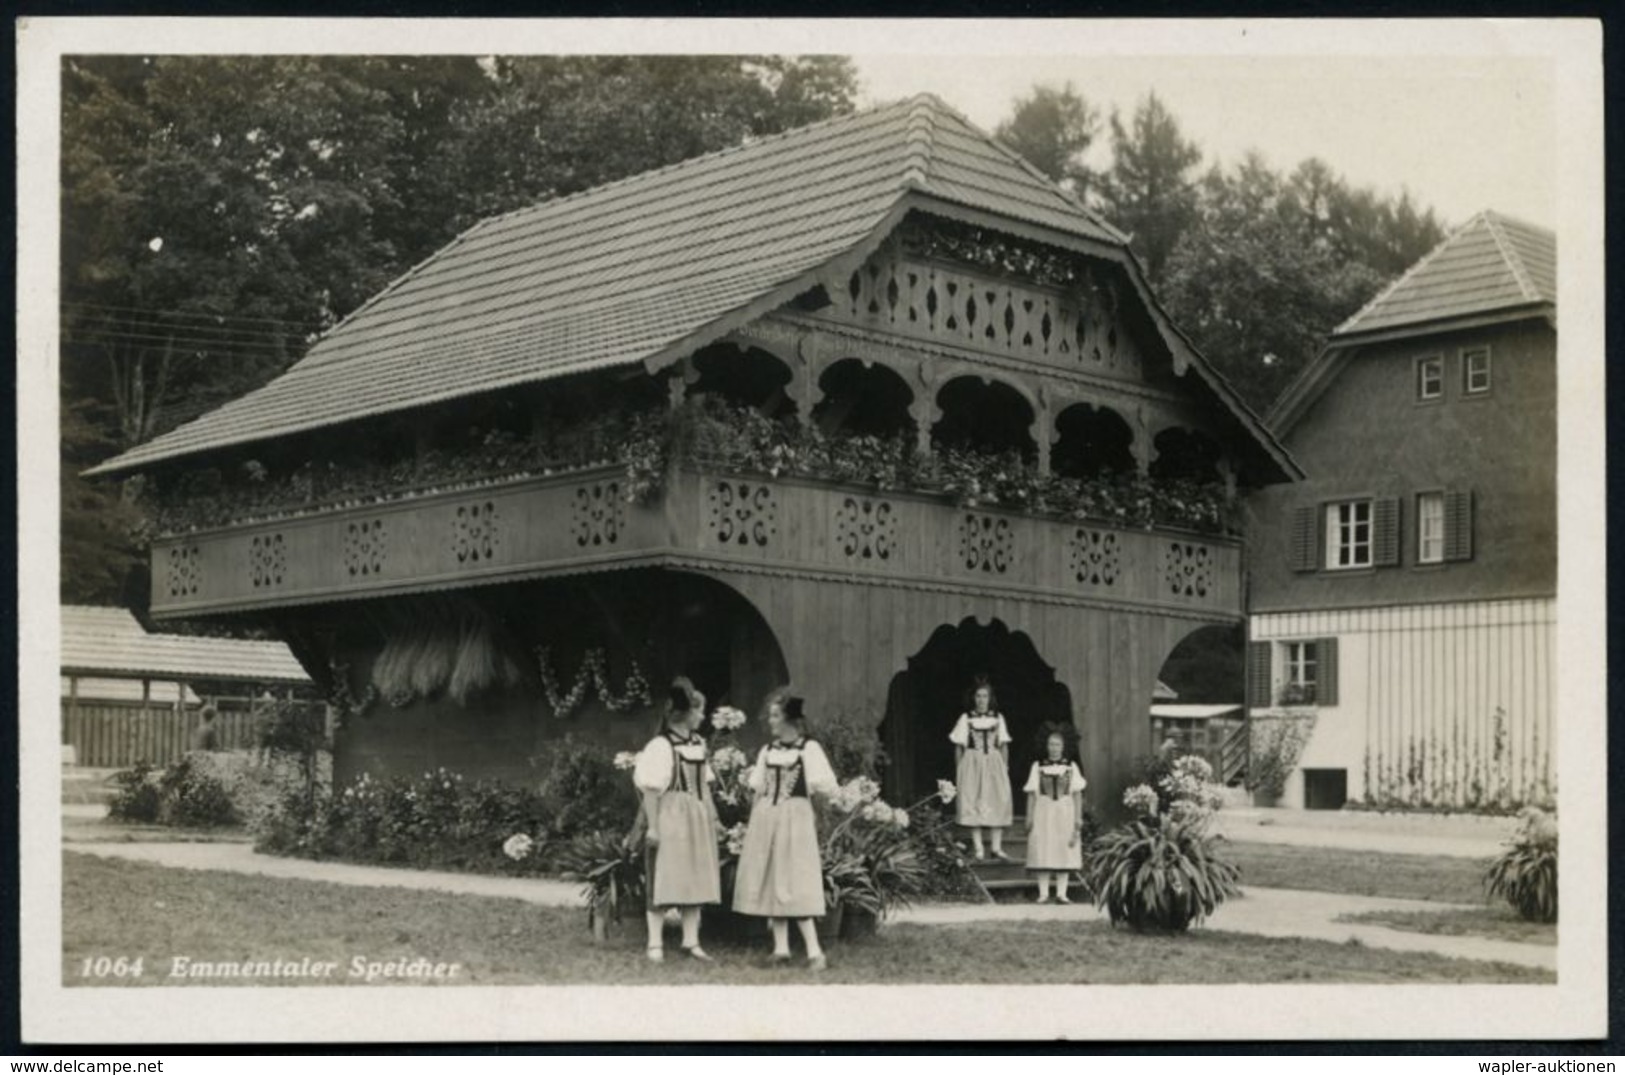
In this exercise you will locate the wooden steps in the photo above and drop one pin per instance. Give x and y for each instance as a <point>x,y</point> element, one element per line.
<point>1011,878</point>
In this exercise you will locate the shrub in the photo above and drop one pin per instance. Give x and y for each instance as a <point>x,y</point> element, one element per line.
<point>436,821</point>
<point>934,838</point>
<point>852,742</point>
<point>1276,744</point>
<point>137,796</point>
<point>583,792</point>
<point>191,797</point>
<point>1526,873</point>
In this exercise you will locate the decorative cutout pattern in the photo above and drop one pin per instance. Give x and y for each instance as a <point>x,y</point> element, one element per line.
<point>598,515</point>
<point>185,571</point>
<point>1094,557</point>
<point>474,533</point>
<point>267,561</point>
<point>366,545</point>
<point>743,513</point>
<point>925,299</point>
<point>1188,569</point>
<point>985,543</point>
<point>866,529</point>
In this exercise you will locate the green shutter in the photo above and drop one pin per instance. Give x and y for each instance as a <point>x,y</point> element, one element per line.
<point>1458,525</point>
<point>1326,672</point>
<point>1258,674</point>
<point>1385,532</point>
<point>1305,553</point>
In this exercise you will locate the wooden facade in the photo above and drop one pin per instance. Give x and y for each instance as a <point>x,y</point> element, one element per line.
<point>994,301</point>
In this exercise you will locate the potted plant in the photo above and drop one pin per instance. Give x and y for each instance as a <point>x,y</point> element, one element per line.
<point>1162,870</point>
<point>1526,873</point>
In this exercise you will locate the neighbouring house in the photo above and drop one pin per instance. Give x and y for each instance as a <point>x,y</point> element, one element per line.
<point>868,407</point>
<point>130,696</point>
<point>1402,599</point>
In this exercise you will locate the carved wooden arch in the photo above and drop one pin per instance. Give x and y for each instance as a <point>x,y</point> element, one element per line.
<point>820,353</point>
<point>1130,411</point>
<point>685,374</point>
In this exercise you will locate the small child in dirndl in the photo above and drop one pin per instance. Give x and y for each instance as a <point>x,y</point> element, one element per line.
<point>781,874</point>
<point>1054,819</point>
<point>673,777</point>
<point>982,756</point>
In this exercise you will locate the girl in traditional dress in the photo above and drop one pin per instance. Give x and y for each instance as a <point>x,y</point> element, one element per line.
<point>780,874</point>
<point>1054,819</point>
<point>680,839</point>
<point>982,754</point>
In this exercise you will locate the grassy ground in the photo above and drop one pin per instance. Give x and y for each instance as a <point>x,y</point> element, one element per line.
<point>1496,923</point>
<point>114,908</point>
<point>1360,873</point>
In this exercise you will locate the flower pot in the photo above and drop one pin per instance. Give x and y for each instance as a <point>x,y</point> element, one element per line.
<point>829,927</point>
<point>858,925</point>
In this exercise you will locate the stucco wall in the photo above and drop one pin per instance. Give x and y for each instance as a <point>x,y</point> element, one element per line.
<point>1368,436</point>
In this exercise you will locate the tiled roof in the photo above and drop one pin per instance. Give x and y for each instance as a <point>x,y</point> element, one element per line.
<point>1491,263</point>
<point>632,270</point>
<point>110,641</point>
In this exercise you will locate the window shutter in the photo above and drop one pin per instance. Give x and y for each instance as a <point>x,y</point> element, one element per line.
<point>1258,674</point>
<point>1458,526</point>
<point>1326,673</point>
<point>1306,542</point>
<point>1385,532</point>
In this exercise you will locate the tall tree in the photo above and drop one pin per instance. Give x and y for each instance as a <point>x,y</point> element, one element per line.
<point>1272,264</point>
<point>1149,191</point>
<point>218,212</point>
<point>1053,128</point>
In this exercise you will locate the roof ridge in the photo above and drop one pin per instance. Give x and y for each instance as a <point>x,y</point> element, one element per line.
<point>1513,259</point>
<point>686,162</point>
<point>1071,199</point>
<point>1402,278</point>
<point>920,139</point>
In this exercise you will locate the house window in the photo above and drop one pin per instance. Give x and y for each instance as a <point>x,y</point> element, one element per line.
<point>1475,371</point>
<point>1430,377</point>
<point>1348,534</point>
<point>1430,528</point>
<point>1302,673</point>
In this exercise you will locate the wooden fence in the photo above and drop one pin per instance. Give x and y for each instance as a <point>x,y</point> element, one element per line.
<point>117,735</point>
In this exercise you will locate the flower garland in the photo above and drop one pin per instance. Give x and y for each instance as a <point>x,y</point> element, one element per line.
<point>592,673</point>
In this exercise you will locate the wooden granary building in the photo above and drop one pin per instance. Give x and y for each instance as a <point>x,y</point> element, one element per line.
<point>868,408</point>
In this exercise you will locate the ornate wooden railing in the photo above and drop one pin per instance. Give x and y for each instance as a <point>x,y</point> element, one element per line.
<point>566,524</point>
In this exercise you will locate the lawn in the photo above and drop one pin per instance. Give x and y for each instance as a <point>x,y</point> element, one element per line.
<point>117,908</point>
<point>1440,878</point>
<point>1496,923</point>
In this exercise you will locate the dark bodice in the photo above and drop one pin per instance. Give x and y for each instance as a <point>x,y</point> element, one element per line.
<point>785,778</point>
<point>687,764</point>
<point>1054,783</point>
<point>986,739</point>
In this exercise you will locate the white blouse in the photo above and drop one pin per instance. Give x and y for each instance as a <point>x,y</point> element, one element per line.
<point>653,772</point>
<point>815,767</point>
<point>960,736</point>
<point>1075,784</point>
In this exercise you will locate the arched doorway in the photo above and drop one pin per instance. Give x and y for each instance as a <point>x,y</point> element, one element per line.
<point>1092,440</point>
<point>1197,706</point>
<point>926,699</point>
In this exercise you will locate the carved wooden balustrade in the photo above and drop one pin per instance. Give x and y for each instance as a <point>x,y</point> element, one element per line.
<point>581,522</point>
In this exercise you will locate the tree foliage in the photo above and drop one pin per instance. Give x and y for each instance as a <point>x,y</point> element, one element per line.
<point>1053,128</point>
<point>1258,266</point>
<point>220,211</point>
<point>1149,191</point>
